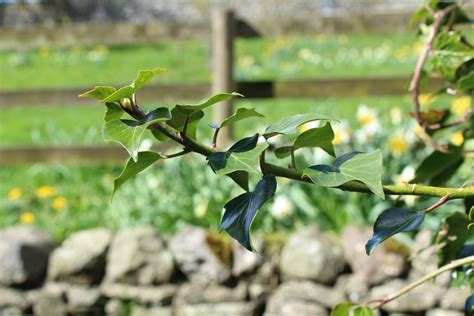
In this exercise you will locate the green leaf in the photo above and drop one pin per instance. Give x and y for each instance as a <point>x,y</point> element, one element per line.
<point>177,122</point>
<point>467,82</point>
<point>436,163</point>
<point>351,309</point>
<point>453,235</point>
<point>188,109</point>
<point>248,161</point>
<point>99,92</point>
<point>393,221</point>
<point>239,213</point>
<point>245,144</point>
<point>353,166</point>
<point>132,168</point>
<point>128,133</point>
<point>316,137</point>
<point>241,178</point>
<point>240,114</point>
<point>468,306</point>
<point>143,77</point>
<point>289,125</point>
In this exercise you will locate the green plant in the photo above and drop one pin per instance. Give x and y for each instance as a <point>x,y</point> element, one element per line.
<point>248,163</point>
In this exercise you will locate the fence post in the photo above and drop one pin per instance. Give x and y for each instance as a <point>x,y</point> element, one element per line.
<point>223,65</point>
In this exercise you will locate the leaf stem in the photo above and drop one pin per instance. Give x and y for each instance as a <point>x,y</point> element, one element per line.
<point>214,138</point>
<point>441,201</point>
<point>293,160</point>
<point>454,264</point>
<point>180,153</point>
<point>185,127</point>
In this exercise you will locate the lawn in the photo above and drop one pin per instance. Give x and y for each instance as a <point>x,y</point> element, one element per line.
<point>267,58</point>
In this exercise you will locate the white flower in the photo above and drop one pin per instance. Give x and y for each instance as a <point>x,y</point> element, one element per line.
<point>368,119</point>
<point>408,173</point>
<point>281,208</point>
<point>342,133</point>
<point>396,115</point>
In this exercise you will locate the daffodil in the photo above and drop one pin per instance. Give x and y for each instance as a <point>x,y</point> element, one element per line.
<point>397,144</point>
<point>27,218</point>
<point>366,116</point>
<point>461,105</point>
<point>15,193</point>
<point>457,138</point>
<point>45,191</point>
<point>342,134</point>
<point>59,203</point>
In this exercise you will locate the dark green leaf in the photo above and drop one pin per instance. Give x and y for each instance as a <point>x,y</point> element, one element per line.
<point>241,178</point>
<point>239,213</point>
<point>452,237</point>
<point>366,168</point>
<point>116,130</point>
<point>177,122</point>
<point>99,92</point>
<point>218,160</point>
<point>245,144</point>
<point>188,109</point>
<point>467,82</point>
<point>132,168</point>
<point>469,305</point>
<point>393,221</point>
<point>240,114</point>
<point>436,163</point>
<point>143,77</point>
<point>289,125</point>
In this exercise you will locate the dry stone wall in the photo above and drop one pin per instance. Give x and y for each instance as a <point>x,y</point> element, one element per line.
<point>138,272</point>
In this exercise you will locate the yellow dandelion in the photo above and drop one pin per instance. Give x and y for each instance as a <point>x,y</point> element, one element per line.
<point>15,194</point>
<point>457,138</point>
<point>398,144</point>
<point>59,203</point>
<point>425,99</point>
<point>45,191</point>
<point>27,218</point>
<point>461,105</point>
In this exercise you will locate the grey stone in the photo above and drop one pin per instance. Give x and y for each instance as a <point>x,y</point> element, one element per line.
<point>455,298</point>
<point>443,312</point>
<point>259,292</point>
<point>294,307</point>
<point>192,293</point>
<point>155,295</point>
<point>151,311</point>
<point>139,256</point>
<point>115,307</point>
<point>24,252</point>
<point>380,266</point>
<point>307,291</point>
<point>191,248</point>
<point>353,285</point>
<point>244,261</point>
<point>312,254</point>
<point>49,305</point>
<point>217,309</point>
<point>419,299</point>
<point>81,257</point>
<point>12,298</point>
<point>11,311</point>
<point>82,299</point>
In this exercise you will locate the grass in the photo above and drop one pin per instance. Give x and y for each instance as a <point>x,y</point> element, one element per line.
<point>277,58</point>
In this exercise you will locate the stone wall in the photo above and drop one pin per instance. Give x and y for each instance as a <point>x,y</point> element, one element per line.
<point>140,272</point>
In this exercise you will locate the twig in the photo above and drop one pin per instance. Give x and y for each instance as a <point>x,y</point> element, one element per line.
<point>185,127</point>
<point>180,153</point>
<point>454,264</point>
<point>441,201</point>
<point>214,138</point>
<point>293,160</point>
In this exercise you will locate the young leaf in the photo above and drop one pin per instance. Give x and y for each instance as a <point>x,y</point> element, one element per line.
<point>454,235</point>
<point>468,306</point>
<point>316,137</point>
<point>99,92</point>
<point>289,125</point>
<point>143,77</point>
<point>393,221</point>
<point>239,213</point>
<point>132,168</point>
<point>240,114</point>
<point>354,166</point>
<point>248,161</point>
<point>178,120</point>
<point>126,133</point>
<point>351,309</point>
<point>188,109</point>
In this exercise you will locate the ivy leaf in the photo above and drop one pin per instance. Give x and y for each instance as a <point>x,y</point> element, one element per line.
<point>290,124</point>
<point>316,137</point>
<point>248,161</point>
<point>244,144</point>
<point>351,309</point>
<point>467,82</point>
<point>178,120</point>
<point>189,109</point>
<point>240,114</point>
<point>128,133</point>
<point>132,168</point>
<point>241,178</point>
<point>239,213</point>
<point>393,221</point>
<point>99,92</point>
<point>453,235</point>
<point>436,163</point>
<point>469,305</point>
<point>353,166</point>
<point>143,77</point>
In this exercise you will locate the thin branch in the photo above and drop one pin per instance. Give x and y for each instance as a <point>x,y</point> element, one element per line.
<point>214,138</point>
<point>185,127</point>
<point>441,201</point>
<point>293,160</point>
<point>180,153</point>
<point>453,265</point>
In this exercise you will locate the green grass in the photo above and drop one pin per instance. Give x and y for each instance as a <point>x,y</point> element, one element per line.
<point>82,125</point>
<point>298,57</point>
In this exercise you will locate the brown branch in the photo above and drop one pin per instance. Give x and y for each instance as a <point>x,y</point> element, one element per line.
<point>441,201</point>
